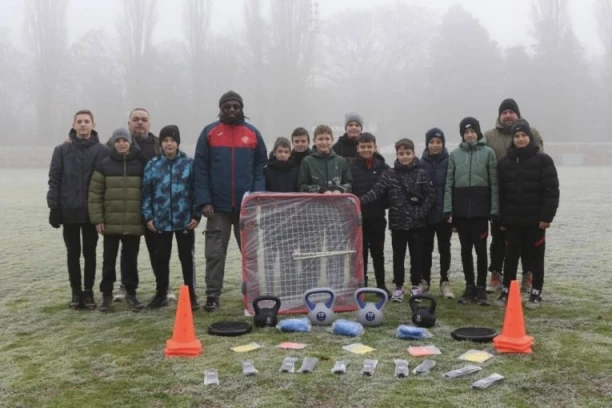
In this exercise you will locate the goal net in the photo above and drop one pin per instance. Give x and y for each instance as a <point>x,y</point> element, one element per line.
<point>295,242</point>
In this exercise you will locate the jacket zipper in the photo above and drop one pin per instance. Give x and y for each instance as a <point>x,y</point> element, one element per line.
<point>326,171</point>
<point>233,166</point>
<point>470,181</point>
<point>125,202</point>
<point>171,205</point>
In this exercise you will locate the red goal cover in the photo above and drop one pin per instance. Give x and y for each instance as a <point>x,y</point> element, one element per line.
<point>295,242</point>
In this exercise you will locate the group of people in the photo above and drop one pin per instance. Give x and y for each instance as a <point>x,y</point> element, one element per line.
<point>139,184</point>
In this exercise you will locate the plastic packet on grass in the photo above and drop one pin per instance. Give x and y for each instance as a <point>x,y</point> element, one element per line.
<point>211,377</point>
<point>460,372</point>
<point>340,367</point>
<point>405,332</point>
<point>423,351</point>
<point>368,367</point>
<point>308,365</point>
<point>299,325</point>
<point>343,327</point>
<point>487,381</point>
<point>248,368</point>
<point>475,356</point>
<point>401,368</point>
<point>424,368</point>
<point>288,365</point>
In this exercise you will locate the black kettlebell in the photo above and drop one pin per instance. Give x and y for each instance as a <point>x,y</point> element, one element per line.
<point>266,316</point>
<point>423,315</point>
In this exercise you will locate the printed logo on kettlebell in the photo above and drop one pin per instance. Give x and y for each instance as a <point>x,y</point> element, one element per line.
<point>370,316</point>
<point>321,316</point>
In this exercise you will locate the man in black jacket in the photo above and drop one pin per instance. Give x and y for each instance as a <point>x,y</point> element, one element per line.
<point>366,169</point>
<point>72,166</point>
<point>346,146</point>
<point>529,198</point>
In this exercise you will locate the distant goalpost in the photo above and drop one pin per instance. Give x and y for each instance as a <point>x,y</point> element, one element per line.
<point>295,242</point>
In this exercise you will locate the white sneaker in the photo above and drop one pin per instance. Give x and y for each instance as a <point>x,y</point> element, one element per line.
<point>170,295</point>
<point>121,295</point>
<point>398,295</point>
<point>446,291</point>
<point>416,290</point>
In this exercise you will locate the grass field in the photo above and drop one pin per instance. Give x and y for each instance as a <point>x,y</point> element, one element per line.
<point>53,357</point>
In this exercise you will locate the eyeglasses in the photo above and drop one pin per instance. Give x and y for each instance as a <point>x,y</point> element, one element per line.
<point>231,106</point>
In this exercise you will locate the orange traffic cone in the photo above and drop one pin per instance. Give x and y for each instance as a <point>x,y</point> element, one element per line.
<point>513,338</point>
<point>183,342</point>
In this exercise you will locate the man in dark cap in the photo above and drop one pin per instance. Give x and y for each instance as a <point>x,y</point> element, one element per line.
<point>499,139</point>
<point>229,162</point>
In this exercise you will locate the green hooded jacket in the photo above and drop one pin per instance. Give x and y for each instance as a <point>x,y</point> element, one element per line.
<point>471,182</point>
<point>324,172</point>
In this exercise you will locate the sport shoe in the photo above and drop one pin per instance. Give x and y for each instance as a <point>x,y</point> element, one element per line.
<point>76,302</point>
<point>159,300</point>
<point>121,295</point>
<point>481,296</point>
<point>424,286</point>
<point>469,295</point>
<point>445,291</point>
<point>416,290</point>
<point>212,303</point>
<point>495,284</point>
<point>502,300</point>
<point>398,295</point>
<point>526,283</point>
<point>133,301</point>
<point>88,300</point>
<point>107,301</point>
<point>535,301</point>
<point>170,295</point>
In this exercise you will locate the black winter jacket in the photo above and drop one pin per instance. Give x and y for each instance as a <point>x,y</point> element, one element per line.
<point>528,187</point>
<point>281,176</point>
<point>364,179</point>
<point>346,147</point>
<point>410,193</point>
<point>72,166</point>
<point>436,167</point>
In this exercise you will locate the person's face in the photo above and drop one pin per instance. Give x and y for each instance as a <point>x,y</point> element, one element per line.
<point>282,153</point>
<point>169,146</point>
<point>139,124</point>
<point>353,129</point>
<point>231,109</point>
<point>435,145</point>
<point>508,117</point>
<point>323,142</point>
<point>300,143</point>
<point>83,125</point>
<point>405,156</point>
<point>122,146</point>
<point>366,150</point>
<point>470,135</point>
<point>521,139</point>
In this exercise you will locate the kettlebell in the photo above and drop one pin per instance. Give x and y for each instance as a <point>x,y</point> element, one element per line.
<point>320,313</point>
<point>370,313</point>
<point>266,316</point>
<point>423,315</point>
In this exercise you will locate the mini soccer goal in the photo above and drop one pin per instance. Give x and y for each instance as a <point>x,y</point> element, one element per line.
<point>295,242</point>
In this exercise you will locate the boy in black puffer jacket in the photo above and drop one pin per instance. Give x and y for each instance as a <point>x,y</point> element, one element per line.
<point>281,176</point>
<point>411,195</point>
<point>529,198</point>
<point>435,161</point>
<point>366,170</point>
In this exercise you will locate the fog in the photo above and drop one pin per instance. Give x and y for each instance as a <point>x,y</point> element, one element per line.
<point>405,66</point>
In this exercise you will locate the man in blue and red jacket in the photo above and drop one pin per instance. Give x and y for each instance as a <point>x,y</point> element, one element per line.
<point>229,161</point>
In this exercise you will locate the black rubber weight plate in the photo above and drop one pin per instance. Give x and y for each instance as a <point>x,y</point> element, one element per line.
<point>477,334</point>
<point>229,328</point>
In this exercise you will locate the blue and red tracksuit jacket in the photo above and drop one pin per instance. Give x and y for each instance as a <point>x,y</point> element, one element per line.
<point>229,162</point>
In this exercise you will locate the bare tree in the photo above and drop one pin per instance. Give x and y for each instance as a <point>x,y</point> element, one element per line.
<point>136,33</point>
<point>46,34</point>
<point>12,97</point>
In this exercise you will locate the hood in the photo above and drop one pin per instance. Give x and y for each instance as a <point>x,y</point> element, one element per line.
<point>316,153</point>
<point>506,130</point>
<point>344,139</point>
<point>85,143</point>
<point>281,166</point>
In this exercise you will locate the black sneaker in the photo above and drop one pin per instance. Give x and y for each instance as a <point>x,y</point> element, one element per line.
<point>469,295</point>
<point>133,301</point>
<point>534,302</point>
<point>76,302</point>
<point>159,300</point>
<point>88,300</point>
<point>502,300</point>
<point>481,296</point>
<point>107,301</point>
<point>212,303</point>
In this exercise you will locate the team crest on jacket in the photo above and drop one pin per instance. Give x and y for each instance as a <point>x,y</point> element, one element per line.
<point>245,139</point>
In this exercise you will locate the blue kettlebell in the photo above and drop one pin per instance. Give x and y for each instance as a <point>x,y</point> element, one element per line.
<point>320,313</point>
<point>370,313</point>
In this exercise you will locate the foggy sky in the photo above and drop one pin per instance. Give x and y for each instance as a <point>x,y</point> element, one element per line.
<point>508,21</point>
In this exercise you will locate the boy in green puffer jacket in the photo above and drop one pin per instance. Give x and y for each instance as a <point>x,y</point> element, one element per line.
<point>327,173</point>
<point>114,208</point>
<point>470,200</point>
